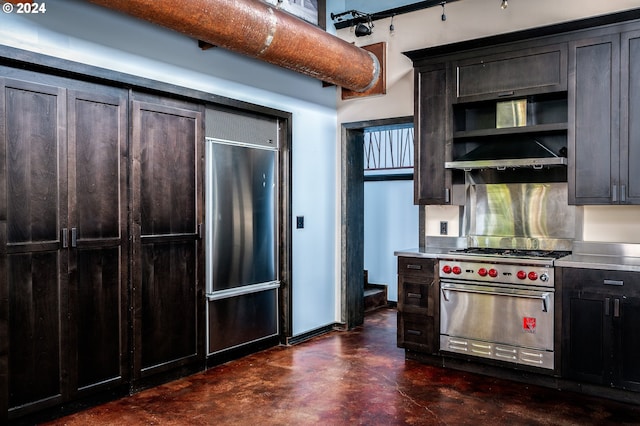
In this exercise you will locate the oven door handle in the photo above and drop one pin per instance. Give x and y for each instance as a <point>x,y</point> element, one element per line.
<point>544,297</point>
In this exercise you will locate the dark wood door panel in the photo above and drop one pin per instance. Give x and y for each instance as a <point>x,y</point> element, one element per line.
<point>98,150</point>
<point>99,317</point>
<point>630,125</point>
<point>35,339</point>
<point>98,247</point>
<point>594,142</point>
<point>167,169</point>
<point>167,258</point>
<point>432,184</point>
<point>169,297</point>
<point>35,181</point>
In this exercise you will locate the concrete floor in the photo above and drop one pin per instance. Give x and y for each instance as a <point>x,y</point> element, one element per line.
<point>349,378</point>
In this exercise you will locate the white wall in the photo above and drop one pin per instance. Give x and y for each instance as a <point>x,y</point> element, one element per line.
<point>85,33</point>
<point>467,20</point>
<point>390,224</point>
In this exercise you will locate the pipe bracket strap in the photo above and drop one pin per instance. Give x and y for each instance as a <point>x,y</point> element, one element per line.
<point>273,25</point>
<point>375,75</point>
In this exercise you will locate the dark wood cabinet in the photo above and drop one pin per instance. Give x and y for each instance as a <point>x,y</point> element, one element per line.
<point>98,239</point>
<point>629,123</point>
<point>418,304</point>
<point>604,140</point>
<point>601,311</point>
<point>64,241</point>
<point>511,74</point>
<point>433,184</point>
<point>167,214</point>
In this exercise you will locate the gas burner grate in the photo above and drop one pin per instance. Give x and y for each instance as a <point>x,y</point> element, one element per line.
<point>488,251</point>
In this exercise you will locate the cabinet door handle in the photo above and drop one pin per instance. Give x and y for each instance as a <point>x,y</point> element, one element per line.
<point>414,295</point>
<point>607,306</point>
<point>616,308</point>
<point>623,193</point>
<point>65,238</point>
<point>74,237</point>
<point>615,193</point>
<point>613,282</point>
<point>447,195</point>
<point>414,266</point>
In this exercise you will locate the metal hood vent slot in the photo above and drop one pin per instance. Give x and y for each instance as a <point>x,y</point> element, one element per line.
<point>509,154</point>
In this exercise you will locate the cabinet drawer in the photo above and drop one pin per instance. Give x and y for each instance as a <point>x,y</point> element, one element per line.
<point>415,296</point>
<point>603,281</point>
<point>416,331</point>
<point>416,266</point>
<point>530,71</point>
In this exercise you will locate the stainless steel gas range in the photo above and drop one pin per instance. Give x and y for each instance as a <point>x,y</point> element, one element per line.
<point>499,304</point>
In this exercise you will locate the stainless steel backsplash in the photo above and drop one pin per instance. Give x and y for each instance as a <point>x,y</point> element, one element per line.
<point>519,215</point>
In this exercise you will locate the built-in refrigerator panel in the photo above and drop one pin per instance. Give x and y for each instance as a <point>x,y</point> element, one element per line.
<point>241,244</point>
<point>241,228</point>
<point>241,215</point>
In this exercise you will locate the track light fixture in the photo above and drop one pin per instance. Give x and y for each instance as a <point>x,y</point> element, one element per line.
<point>504,5</point>
<point>362,21</point>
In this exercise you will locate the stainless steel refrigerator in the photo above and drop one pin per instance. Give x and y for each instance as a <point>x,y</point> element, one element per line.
<point>241,193</point>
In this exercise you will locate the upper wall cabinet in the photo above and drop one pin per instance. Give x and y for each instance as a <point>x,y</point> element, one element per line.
<point>433,185</point>
<point>511,74</point>
<point>604,139</point>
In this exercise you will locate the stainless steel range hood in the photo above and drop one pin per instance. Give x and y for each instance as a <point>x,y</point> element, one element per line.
<point>507,154</point>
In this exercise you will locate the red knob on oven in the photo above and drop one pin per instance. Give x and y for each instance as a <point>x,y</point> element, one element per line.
<point>446,269</point>
<point>482,272</point>
<point>493,273</point>
<point>533,276</point>
<point>521,275</point>
<point>457,270</point>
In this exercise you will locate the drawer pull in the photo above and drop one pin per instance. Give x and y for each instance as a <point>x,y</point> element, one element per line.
<point>414,332</point>
<point>414,295</point>
<point>414,266</point>
<point>613,282</point>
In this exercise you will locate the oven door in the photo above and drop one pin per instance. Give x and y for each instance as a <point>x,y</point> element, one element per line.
<point>509,315</point>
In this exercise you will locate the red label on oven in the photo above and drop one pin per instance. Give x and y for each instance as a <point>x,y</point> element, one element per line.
<point>529,324</point>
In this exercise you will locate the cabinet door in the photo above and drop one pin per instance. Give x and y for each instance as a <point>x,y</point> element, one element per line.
<point>168,297</point>
<point>98,302</point>
<point>524,72</point>
<point>593,139</point>
<point>433,182</point>
<point>586,356</point>
<point>630,124</point>
<point>627,343</point>
<point>32,215</point>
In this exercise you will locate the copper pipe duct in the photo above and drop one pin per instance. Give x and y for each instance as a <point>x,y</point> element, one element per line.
<point>259,30</point>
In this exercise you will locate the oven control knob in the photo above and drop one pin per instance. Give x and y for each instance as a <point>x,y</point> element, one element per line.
<point>446,269</point>
<point>482,272</point>
<point>533,276</point>
<point>456,270</point>
<point>544,278</point>
<point>493,273</point>
<point>521,275</point>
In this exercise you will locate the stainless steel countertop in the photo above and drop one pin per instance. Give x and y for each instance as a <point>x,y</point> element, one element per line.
<point>428,252</point>
<point>590,261</point>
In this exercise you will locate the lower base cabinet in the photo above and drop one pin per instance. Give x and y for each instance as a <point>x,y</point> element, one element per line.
<point>601,315</point>
<point>418,304</point>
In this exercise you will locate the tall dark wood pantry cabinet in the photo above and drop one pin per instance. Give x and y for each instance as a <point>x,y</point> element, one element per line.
<point>63,236</point>
<point>167,214</point>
